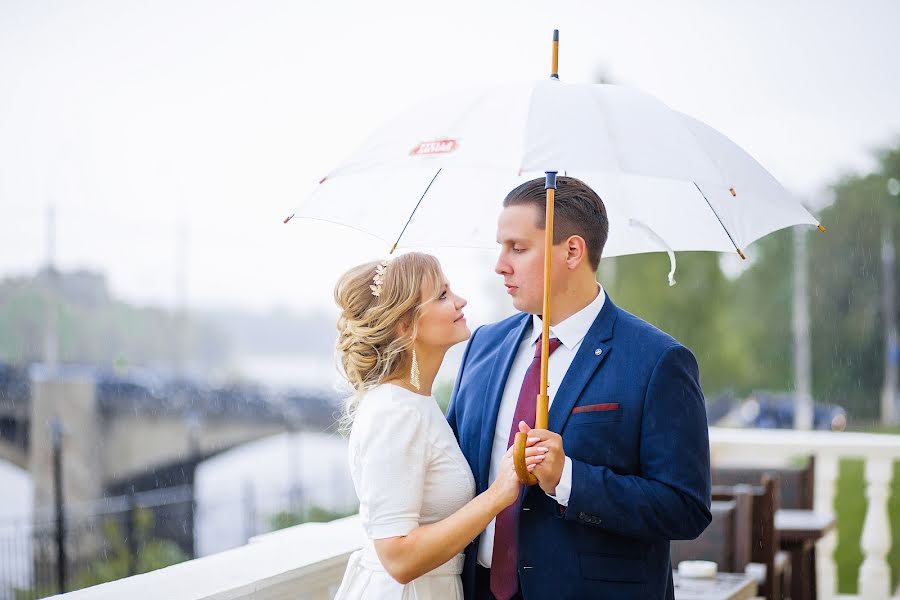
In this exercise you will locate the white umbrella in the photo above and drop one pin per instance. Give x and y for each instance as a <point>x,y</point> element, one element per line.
<point>437,174</point>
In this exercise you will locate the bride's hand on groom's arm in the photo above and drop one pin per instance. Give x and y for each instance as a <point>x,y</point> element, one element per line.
<point>549,470</point>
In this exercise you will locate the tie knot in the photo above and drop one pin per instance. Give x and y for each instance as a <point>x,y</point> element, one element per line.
<point>554,344</point>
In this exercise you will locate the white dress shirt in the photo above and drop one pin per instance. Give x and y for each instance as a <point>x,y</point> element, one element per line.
<point>570,332</point>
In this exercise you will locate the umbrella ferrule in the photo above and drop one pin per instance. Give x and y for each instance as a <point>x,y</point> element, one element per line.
<point>550,183</point>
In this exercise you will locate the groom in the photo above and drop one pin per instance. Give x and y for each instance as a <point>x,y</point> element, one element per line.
<point>628,463</point>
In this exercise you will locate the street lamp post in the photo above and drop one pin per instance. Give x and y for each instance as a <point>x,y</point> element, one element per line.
<point>57,432</point>
<point>889,409</point>
<point>803,405</point>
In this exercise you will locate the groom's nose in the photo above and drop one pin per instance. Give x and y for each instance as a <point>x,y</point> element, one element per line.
<point>501,267</point>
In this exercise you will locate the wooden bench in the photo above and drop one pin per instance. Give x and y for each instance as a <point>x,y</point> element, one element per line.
<point>716,543</point>
<point>796,484</point>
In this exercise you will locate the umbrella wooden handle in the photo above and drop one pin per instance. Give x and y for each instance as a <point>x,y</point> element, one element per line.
<point>519,460</point>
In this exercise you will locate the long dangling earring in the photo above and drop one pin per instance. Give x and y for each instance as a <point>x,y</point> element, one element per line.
<point>414,371</point>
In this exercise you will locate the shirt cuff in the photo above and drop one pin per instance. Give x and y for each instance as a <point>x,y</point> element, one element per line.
<point>564,487</point>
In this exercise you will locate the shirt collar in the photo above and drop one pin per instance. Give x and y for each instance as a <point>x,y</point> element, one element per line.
<point>571,331</point>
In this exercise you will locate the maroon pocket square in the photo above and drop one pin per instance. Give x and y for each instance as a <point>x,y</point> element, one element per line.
<point>595,407</point>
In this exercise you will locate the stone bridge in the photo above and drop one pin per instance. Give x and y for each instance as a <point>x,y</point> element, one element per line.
<point>134,432</point>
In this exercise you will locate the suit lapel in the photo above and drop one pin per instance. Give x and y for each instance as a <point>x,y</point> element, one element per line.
<point>494,393</point>
<point>594,349</point>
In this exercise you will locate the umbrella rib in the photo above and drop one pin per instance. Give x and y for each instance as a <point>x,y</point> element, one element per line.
<point>412,214</point>
<point>725,229</point>
<point>343,224</point>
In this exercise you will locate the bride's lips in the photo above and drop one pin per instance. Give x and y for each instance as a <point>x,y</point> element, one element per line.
<point>459,318</point>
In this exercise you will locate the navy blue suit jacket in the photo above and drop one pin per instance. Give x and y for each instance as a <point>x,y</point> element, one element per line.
<point>639,446</point>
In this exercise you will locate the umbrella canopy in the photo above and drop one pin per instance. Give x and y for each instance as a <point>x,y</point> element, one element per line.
<point>437,174</point>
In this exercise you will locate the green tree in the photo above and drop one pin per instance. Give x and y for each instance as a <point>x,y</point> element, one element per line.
<point>93,327</point>
<point>314,514</point>
<point>152,553</point>
<point>845,282</point>
<point>696,311</point>
<point>740,330</point>
<point>442,392</point>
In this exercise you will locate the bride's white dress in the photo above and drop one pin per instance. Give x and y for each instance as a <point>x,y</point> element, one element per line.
<point>408,471</point>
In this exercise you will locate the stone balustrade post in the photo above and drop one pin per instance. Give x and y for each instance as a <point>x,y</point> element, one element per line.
<point>826,483</point>
<point>874,573</point>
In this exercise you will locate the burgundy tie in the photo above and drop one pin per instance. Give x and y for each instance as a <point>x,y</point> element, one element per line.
<point>504,581</point>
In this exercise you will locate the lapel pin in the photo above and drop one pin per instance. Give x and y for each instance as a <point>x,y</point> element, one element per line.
<point>598,351</point>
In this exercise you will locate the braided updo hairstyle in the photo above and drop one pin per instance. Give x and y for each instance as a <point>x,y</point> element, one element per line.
<point>371,344</point>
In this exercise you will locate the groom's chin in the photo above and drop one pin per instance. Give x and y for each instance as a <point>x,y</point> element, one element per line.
<point>521,305</point>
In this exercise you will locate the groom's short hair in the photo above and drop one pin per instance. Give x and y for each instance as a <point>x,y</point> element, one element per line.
<point>578,210</point>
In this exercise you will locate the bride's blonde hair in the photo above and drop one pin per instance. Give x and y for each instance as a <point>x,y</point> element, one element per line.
<point>371,344</point>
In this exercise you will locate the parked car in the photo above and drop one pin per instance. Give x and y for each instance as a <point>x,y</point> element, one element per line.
<point>776,411</point>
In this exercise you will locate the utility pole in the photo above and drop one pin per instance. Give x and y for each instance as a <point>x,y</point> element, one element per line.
<point>803,405</point>
<point>889,410</point>
<point>181,320</point>
<point>51,340</point>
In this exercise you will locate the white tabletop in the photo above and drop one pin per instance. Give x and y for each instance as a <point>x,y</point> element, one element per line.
<point>725,586</point>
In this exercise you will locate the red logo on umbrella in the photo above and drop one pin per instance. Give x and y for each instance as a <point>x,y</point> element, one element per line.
<point>434,147</point>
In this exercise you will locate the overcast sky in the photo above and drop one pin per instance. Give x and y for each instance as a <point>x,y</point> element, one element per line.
<point>135,118</point>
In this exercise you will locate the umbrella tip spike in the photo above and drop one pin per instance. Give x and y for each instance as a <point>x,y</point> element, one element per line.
<point>741,254</point>
<point>821,228</point>
<point>289,217</point>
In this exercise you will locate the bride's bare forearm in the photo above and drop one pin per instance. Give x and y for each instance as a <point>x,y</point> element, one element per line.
<point>429,546</point>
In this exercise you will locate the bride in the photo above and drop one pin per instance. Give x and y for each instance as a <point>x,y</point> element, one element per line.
<point>416,492</point>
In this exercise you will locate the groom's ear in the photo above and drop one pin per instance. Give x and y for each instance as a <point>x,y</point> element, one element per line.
<point>576,251</point>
